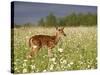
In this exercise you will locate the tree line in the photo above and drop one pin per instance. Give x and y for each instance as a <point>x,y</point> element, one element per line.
<point>73,19</point>
<point>86,19</point>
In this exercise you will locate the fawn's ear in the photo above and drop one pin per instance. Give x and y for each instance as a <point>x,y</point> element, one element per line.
<point>62,28</point>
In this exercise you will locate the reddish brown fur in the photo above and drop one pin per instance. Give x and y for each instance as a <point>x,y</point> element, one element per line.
<point>44,40</point>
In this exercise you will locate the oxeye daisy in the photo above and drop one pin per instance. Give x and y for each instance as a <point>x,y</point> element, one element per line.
<point>24,70</point>
<point>60,50</point>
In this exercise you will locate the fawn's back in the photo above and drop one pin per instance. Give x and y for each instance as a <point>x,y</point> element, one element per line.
<point>43,40</point>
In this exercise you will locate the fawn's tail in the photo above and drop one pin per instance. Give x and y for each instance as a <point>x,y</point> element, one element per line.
<point>30,42</point>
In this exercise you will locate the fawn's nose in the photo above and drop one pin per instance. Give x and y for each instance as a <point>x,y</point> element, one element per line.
<point>64,34</point>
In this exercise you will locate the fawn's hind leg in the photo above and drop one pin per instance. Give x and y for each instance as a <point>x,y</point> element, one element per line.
<point>33,52</point>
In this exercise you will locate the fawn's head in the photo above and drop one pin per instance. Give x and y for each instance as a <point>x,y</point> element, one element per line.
<point>60,31</point>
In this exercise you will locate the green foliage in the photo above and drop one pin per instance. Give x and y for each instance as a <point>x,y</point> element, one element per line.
<point>61,22</point>
<point>41,22</point>
<point>73,19</point>
<point>50,20</point>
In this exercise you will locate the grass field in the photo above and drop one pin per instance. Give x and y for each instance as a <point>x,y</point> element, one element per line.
<point>76,51</point>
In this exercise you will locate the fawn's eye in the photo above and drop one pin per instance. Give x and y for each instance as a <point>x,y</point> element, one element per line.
<point>59,30</point>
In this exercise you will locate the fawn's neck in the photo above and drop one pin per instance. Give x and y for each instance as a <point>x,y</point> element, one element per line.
<point>57,38</point>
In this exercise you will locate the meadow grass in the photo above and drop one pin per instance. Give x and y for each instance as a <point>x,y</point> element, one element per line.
<point>76,51</point>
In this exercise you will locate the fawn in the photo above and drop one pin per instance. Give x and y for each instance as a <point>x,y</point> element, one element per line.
<point>38,41</point>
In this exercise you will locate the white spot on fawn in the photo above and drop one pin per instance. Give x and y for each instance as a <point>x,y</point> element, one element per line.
<point>34,46</point>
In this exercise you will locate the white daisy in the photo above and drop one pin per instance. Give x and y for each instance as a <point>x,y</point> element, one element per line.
<point>33,66</point>
<point>60,50</point>
<point>64,61</point>
<point>25,60</point>
<point>51,67</point>
<point>71,63</point>
<point>53,59</point>
<point>24,70</point>
<point>44,70</point>
<point>24,64</point>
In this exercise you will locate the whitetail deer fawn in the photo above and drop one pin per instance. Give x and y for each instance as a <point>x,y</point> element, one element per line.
<point>38,41</point>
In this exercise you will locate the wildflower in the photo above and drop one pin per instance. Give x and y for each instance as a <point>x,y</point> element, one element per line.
<point>26,48</point>
<point>53,59</point>
<point>32,66</point>
<point>81,56</point>
<point>15,63</point>
<point>27,37</point>
<point>88,66</point>
<point>32,60</point>
<point>24,64</point>
<point>30,32</point>
<point>25,60</point>
<point>37,70</point>
<point>51,67</point>
<point>16,68</point>
<point>44,70</point>
<point>80,62</point>
<point>24,70</point>
<point>17,60</point>
<point>60,50</point>
<point>71,63</point>
<point>55,63</point>
<point>64,61</point>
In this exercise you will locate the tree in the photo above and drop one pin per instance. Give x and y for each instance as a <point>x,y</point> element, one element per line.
<point>79,19</point>
<point>41,22</point>
<point>61,22</point>
<point>50,20</point>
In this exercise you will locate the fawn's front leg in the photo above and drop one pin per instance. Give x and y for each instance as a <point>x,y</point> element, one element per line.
<point>49,52</point>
